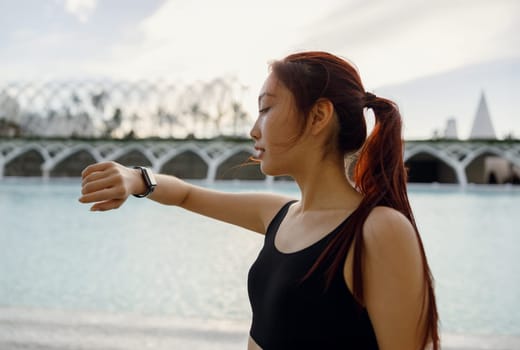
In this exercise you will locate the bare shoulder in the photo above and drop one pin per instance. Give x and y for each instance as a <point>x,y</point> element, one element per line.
<point>390,236</point>
<point>393,278</point>
<point>268,205</point>
<point>385,224</point>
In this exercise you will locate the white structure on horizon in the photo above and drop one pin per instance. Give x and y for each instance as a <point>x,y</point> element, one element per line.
<point>482,126</point>
<point>450,131</point>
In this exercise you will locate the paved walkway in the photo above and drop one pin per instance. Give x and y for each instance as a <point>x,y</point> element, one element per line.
<point>30,329</point>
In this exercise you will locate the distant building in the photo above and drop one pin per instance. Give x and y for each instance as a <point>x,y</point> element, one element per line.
<point>498,170</point>
<point>9,116</point>
<point>482,126</point>
<point>450,132</point>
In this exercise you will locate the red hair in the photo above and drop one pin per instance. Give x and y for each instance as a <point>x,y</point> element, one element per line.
<point>379,174</point>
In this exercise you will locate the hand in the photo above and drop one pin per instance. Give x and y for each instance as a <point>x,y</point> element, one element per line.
<point>108,185</point>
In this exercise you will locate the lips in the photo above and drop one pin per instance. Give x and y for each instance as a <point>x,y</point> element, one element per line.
<point>259,152</point>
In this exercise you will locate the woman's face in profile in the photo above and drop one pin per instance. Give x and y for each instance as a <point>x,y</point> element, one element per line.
<point>277,127</point>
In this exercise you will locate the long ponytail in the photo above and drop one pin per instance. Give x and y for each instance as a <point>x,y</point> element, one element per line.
<point>379,173</point>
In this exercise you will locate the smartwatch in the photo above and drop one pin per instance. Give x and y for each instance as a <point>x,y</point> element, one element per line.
<point>149,181</point>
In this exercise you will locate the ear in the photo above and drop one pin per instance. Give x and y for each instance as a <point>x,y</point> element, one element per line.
<point>322,113</point>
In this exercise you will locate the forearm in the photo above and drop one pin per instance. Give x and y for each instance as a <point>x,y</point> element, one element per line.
<point>108,185</point>
<point>170,190</point>
<point>252,211</point>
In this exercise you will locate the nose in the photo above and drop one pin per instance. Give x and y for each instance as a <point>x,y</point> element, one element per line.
<point>255,131</point>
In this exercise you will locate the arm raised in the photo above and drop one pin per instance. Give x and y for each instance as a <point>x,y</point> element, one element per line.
<point>109,184</point>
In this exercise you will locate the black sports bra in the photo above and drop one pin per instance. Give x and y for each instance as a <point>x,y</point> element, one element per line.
<point>289,313</point>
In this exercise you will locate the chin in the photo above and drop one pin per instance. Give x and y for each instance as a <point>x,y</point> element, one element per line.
<point>266,170</point>
<point>271,171</point>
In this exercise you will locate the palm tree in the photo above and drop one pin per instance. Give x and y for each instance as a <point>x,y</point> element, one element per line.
<point>240,116</point>
<point>201,116</point>
<point>113,123</point>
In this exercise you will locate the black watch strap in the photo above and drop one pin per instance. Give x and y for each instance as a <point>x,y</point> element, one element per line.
<point>149,181</point>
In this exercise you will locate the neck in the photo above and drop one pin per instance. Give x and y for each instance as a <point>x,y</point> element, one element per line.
<point>324,186</point>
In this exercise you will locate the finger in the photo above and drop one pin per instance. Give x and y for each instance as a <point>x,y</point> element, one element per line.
<point>102,195</point>
<point>96,167</point>
<point>107,205</point>
<point>97,185</point>
<point>96,175</point>
<point>93,177</point>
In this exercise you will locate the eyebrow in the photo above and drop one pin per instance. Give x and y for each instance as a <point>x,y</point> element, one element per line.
<point>265,94</point>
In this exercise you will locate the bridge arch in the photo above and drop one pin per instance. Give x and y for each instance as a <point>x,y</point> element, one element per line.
<point>233,164</point>
<point>31,146</point>
<point>427,164</point>
<point>470,157</point>
<point>25,161</point>
<point>71,161</point>
<point>185,162</point>
<point>133,155</point>
<point>489,164</point>
<point>225,160</point>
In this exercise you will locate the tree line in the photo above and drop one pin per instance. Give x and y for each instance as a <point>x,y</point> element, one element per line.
<point>115,109</point>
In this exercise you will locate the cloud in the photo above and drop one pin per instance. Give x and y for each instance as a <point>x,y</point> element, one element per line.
<point>198,39</point>
<point>81,9</point>
<point>391,42</point>
<point>402,40</point>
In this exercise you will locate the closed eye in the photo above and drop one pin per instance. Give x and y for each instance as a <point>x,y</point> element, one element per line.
<point>264,110</point>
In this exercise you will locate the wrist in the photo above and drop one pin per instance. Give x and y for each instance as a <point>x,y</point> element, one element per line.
<point>138,186</point>
<point>146,182</point>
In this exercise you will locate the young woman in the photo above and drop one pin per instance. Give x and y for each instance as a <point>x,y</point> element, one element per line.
<point>343,267</point>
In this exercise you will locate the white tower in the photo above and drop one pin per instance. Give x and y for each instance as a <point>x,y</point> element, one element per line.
<point>450,132</point>
<point>482,125</point>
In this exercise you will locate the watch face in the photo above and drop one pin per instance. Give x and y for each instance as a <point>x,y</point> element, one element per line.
<point>149,180</point>
<point>151,177</point>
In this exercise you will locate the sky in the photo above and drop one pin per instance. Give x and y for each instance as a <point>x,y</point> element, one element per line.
<point>391,42</point>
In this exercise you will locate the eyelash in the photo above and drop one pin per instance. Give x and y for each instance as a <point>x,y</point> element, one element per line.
<point>264,110</point>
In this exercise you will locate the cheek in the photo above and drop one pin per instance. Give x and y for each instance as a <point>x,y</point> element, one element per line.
<point>285,120</point>
<point>275,132</point>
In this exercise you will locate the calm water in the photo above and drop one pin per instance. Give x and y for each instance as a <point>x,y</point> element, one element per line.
<point>158,260</point>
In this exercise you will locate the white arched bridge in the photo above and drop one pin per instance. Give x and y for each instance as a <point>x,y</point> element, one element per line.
<point>457,162</point>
